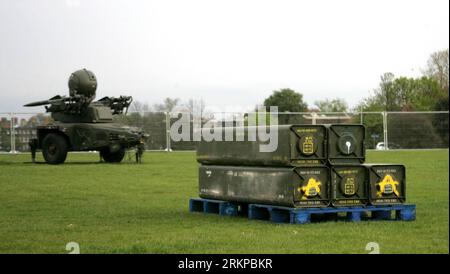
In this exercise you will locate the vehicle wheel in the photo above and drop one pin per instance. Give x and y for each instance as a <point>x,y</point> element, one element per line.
<point>54,149</point>
<point>115,157</point>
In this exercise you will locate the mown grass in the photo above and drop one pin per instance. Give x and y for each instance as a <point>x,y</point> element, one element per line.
<point>130,208</point>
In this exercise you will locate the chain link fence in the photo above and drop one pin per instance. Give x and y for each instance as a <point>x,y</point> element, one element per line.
<point>384,130</point>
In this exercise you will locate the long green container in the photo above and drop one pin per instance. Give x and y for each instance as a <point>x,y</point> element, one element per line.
<point>298,145</point>
<point>349,185</point>
<point>346,144</point>
<point>387,184</point>
<point>285,186</point>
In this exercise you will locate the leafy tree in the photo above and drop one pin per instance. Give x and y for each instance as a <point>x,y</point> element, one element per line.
<point>287,100</point>
<point>403,94</point>
<point>425,93</point>
<point>386,92</point>
<point>383,98</point>
<point>437,68</point>
<point>334,105</point>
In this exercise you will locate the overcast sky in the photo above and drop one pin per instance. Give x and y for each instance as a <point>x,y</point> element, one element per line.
<point>227,53</point>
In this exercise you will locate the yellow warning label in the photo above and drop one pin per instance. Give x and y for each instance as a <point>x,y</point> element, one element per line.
<point>308,145</point>
<point>311,189</point>
<point>387,186</point>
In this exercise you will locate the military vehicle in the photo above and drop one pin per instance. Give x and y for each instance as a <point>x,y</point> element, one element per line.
<point>80,124</point>
<point>285,186</point>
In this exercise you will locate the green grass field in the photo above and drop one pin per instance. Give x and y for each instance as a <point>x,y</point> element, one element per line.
<point>130,208</point>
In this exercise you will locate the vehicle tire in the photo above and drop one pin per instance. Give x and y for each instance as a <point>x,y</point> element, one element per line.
<point>115,157</point>
<point>54,148</point>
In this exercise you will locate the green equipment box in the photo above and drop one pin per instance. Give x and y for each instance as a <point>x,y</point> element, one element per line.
<point>346,144</point>
<point>387,183</point>
<point>297,145</point>
<point>349,185</point>
<point>284,186</point>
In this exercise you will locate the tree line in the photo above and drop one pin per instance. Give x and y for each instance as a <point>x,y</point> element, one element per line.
<point>428,92</point>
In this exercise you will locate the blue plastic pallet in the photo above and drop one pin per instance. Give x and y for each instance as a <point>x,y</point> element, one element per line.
<point>216,206</point>
<point>280,214</point>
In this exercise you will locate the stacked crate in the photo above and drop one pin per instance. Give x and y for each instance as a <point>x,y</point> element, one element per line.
<point>312,166</point>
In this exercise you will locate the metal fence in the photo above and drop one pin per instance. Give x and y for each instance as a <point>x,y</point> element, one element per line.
<point>384,130</point>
